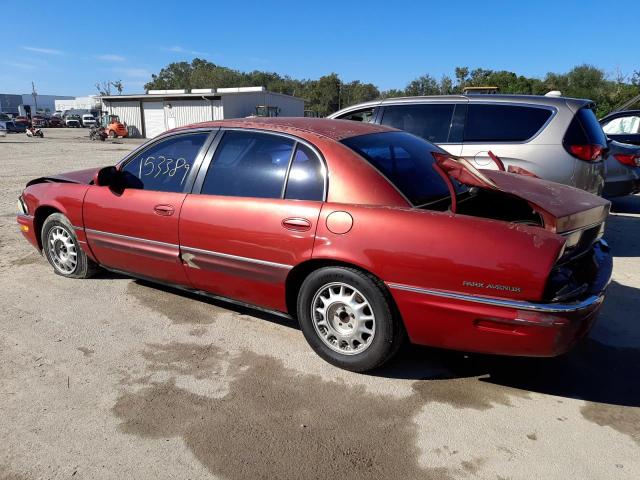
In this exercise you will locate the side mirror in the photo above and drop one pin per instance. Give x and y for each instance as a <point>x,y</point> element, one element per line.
<point>106,177</point>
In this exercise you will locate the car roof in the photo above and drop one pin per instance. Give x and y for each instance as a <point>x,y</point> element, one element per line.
<point>333,129</point>
<point>619,113</point>
<point>575,103</point>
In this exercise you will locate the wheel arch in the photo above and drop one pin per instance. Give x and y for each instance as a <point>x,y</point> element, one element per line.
<point>297,275</point>
<point>39,216</point>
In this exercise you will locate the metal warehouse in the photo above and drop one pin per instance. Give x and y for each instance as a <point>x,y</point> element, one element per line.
<point>150,114</point>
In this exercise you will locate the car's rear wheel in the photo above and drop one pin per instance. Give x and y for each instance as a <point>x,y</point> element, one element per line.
<point>62,249</point>
<point>348,318</point>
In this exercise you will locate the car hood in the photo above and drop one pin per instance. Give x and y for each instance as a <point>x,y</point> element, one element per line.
<point>78,176</point>
<point>562,207</point>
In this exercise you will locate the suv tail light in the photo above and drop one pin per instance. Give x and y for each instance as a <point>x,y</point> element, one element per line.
<point>628,159</point>
<point>589,152</point>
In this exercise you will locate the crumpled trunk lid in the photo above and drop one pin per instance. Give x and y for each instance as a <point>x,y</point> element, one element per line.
<point>562,208</point>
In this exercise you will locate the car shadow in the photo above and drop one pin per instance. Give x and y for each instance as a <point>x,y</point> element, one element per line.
<point>598,369</point>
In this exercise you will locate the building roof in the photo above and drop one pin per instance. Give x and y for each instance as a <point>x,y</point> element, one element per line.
<point>334,129</point>
<point>186,96</point>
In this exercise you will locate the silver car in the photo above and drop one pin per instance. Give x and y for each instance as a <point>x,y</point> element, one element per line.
<point>555,138</point>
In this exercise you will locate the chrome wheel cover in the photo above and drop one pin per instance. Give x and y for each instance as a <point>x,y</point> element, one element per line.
<point>62,250</point>
<point>343,318</point>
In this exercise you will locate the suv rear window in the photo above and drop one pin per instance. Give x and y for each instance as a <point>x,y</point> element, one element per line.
<point>406,160</point>
<point>585,129</point>
<point>430,122</point>
<point>503,123</point>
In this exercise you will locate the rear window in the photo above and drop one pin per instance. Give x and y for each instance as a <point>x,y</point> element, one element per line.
<point>406,160</point>
<point>584,129</point>
<point>430,122</point>
<point>503,123</point>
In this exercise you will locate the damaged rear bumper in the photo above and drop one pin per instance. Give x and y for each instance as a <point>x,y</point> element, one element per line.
<point>502,326</point>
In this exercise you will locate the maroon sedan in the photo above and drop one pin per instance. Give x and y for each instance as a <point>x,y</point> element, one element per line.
<point>363,233</point>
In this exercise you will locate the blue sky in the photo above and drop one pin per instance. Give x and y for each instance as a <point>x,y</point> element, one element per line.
<point>66,47</point>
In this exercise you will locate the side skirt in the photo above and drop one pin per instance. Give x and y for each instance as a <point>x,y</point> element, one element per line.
<point>202,293</point>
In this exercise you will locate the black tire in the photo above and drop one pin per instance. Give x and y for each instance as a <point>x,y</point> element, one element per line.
<point>112,134</point>
<point>389,331</point>
<point>84,267</point>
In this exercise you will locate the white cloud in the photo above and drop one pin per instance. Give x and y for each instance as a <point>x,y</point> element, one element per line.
<point>111,57</point>
<point>26,66</point>
<point>47,51</point>
<point>178,49</point>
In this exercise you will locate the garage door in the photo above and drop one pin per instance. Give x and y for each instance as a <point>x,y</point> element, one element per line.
<point>153,118</point>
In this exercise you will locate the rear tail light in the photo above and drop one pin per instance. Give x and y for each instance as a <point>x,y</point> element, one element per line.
<point>589,152</point>
<point>628,159</point>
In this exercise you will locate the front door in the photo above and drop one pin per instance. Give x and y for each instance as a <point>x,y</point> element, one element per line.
<point>135,228</point>
<point>254,217</point>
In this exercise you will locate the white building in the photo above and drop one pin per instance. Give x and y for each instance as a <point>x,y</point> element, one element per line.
<point>161,110</point>
<point>91,103</point>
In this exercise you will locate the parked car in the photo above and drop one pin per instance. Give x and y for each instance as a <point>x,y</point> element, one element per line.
<point>73,121</point>
<point>623,169</point>
<point>56,122</point>
<point>39,121</point>
<point>13,127</point>
<point>88,120</point>
<point>554,138</point>
<point>361,231</point>
<point>622,126</point>
<point>22,120</point>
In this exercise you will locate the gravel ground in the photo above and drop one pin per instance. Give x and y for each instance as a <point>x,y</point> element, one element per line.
<point>116,378</point>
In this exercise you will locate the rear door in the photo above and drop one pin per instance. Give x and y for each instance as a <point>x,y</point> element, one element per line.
<point>252,216</point>
<point>438,122</point>
<point>506,130</point>
<point>135,228</point>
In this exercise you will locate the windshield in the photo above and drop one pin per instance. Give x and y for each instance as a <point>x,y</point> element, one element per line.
<point>407,161</point>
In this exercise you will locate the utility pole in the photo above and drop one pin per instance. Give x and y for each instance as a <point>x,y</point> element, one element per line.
<point>34,94</point>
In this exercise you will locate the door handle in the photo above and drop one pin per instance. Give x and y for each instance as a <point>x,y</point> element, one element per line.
<point>164,210</point>
<point>298,224</point>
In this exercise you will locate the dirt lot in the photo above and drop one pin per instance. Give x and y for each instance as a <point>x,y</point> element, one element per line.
<point>115,378</point>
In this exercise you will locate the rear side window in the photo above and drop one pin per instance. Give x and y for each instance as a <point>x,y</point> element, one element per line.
<point>249,164</point>
<point>503,123</point>
<point>430,122</point>
<point>584,129</point>
<point>622,125</point>
<point>165,165</point>
<point>407,161</point>
<point>306,176</point>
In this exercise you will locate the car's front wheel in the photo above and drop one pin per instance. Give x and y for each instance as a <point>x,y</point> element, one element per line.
<point>62,249</point>
<point>348,318</point>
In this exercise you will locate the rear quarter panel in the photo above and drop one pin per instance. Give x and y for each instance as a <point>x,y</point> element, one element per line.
<point>442,251</point>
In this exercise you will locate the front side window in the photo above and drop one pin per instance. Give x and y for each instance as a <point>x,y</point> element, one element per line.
<point>429,121</point>
<point>407,161</point>
<point>622,126</point>
<point>503,123</point>
<point>364,116</point>
<point>306,176</point>
<point>165,165</point>
<point>249,164</point>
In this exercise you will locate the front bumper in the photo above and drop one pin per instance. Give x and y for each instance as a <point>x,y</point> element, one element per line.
<point>501,326</point>
<point>26,225</point>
